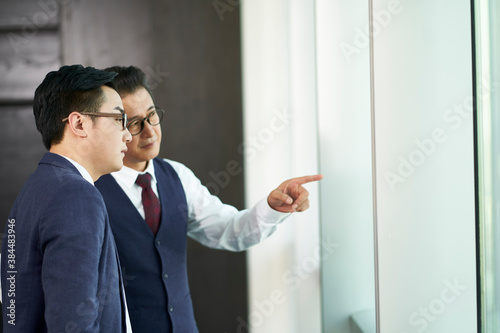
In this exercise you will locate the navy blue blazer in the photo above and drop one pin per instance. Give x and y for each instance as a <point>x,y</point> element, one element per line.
<point>60,270</point>
<point>154,266</point>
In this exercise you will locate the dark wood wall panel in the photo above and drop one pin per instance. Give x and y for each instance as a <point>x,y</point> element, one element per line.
<point>202,93</point>
<point>21,151</point>
<point>29,15</point>
<point>108,33</point>
<point>29,49</point>
<point>23,65</point>
<point>202,96</point>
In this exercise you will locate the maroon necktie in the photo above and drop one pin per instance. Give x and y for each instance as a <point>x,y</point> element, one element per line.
<point>152,208</point>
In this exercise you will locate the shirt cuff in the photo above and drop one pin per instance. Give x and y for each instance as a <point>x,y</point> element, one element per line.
<point>269,215</point>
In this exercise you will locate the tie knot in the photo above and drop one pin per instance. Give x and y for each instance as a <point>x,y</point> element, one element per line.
<point>144,180</point>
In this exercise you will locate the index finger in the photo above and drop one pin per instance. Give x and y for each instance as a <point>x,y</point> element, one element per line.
<point>307,179</point>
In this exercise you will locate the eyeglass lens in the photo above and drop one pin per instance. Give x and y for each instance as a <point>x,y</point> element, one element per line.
<point>137,125</point>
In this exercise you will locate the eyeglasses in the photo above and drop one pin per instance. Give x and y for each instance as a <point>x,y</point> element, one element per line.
<point>117,116</point>
<point>136,126</point>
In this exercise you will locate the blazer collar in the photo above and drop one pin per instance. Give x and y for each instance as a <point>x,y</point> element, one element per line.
<point>62,162</point>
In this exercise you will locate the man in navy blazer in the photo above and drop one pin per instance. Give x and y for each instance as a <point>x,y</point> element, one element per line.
<point>154,262</point>
<point>60,269</point>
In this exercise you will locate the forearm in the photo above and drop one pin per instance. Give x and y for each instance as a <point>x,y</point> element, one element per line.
<point>224,228</point>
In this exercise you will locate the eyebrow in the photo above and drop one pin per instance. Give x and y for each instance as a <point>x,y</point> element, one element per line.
<point>119,109</point>
<point>137,117</point>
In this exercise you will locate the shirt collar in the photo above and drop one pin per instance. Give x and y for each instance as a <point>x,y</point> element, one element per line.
<point>127,176</point>
<point>85,174</point>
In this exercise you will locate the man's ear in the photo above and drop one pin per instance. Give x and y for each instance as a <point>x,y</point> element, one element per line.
<point>77,124</point>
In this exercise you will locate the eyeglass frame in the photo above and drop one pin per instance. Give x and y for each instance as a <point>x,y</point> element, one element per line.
<point>123,117</point>
<point>143,120</point>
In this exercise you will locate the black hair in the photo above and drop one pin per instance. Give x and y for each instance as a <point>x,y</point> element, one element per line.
<point>71,88</point>
<point>129,80</point>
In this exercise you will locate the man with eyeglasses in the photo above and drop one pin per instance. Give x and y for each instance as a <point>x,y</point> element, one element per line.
<point>154,204</point>
<point>60,268</point>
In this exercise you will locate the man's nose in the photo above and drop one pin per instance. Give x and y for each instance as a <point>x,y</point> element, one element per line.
<point>127,136</point>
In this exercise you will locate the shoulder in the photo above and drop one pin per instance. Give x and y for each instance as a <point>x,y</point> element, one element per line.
<point>51,180</point>
<point>74,195</point>
<point>182,171</point>
<point>79,187</point>
<point>75,207</point>
<point>177,166</point>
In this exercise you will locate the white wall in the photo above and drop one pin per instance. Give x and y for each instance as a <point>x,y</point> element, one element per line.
<point>343,68</point>
<point>408,174</point>
<point>425,168</point>
<point>281,143</point>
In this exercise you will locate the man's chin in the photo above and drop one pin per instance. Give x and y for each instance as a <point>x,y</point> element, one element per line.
<point>138,162</point>
<point>149,154</point>
<point>117,167</point>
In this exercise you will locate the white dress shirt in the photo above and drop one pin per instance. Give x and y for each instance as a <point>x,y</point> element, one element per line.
<point>210,222</point>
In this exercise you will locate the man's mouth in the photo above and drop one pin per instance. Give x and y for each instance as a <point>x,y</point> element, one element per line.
<point>150,142</point>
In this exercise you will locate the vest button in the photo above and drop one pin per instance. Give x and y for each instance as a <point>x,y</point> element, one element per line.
<point>158,243</point>
<point>165,276</point>
<point>170,308</point>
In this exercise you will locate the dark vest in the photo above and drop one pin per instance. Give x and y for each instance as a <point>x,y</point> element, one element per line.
<point>153,267</point>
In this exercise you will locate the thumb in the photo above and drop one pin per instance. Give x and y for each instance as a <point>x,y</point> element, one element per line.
<point>278,198</point>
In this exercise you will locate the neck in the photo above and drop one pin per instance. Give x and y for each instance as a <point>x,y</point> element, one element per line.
<point>138,166</point>
<point>63,150</point>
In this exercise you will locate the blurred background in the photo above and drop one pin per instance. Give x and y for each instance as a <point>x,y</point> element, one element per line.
<point>380,96</point>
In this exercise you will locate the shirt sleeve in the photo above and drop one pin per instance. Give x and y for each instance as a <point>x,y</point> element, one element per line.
<point>221,226</point>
